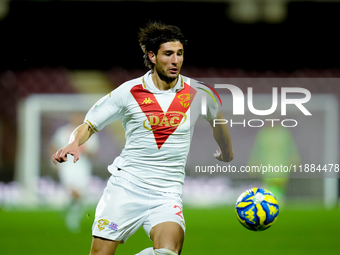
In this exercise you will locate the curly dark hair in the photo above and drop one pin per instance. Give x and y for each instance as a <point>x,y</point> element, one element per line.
<point>156,33</point>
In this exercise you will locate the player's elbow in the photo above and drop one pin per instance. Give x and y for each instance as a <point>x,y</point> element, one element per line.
<point>229,157</point>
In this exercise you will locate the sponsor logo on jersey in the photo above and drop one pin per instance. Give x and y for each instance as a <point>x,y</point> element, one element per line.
<point>100,101</point>
<point>170,120</point>
<point>147,101</point>
<point>102,223</point>
<point>113,226</point>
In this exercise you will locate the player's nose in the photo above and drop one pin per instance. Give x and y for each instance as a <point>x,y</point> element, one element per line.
<point>174,59</point>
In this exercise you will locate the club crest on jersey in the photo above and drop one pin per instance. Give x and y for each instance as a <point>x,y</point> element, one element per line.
<point>102,223</point>
<point>184,99</point>
<point>147,101</point>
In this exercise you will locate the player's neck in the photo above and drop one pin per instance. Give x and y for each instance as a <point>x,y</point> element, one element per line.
<point>162,84</point>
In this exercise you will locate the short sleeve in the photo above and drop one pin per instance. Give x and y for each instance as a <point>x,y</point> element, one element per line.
<point>106,110</point>
<point>212,107</point>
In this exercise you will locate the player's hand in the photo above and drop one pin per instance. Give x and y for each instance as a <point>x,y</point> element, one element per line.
<point>219,156</point>
<point>61,155</point>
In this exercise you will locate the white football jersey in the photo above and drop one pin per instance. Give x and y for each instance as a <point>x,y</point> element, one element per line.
<point>158,126</point>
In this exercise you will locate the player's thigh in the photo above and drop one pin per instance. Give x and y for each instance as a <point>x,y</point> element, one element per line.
<point>169,235</point>
<point>101,246</point>
<point>121,210</point>
<point>165,224</point>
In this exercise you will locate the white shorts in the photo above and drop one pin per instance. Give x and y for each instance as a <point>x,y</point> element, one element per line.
<point>124,207</point>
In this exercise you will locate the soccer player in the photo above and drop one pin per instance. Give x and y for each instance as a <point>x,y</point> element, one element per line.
<point>158,112</point>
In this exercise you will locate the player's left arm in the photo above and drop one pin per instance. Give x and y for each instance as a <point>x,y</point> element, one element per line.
<point>222,137</point>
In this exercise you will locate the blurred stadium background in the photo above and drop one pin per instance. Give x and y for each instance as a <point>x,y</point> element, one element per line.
<point>57,56</point>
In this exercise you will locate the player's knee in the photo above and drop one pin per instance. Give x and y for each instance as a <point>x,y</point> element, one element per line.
<point>168,248</point>
<point>151,251</point>
<point>164,251</point>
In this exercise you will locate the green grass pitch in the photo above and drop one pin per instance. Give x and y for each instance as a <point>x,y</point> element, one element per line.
<point>307,230</point>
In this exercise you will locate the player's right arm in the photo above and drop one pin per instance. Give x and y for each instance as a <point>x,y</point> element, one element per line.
<point>105,111</point>
<point>78,137</point>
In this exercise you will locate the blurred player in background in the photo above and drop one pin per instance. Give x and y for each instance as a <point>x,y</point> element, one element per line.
<point>275,146</point>
<point>74,177</point>
<point>158,112</point>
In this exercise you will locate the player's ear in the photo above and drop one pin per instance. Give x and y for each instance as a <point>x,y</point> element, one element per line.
<point>152,57</point>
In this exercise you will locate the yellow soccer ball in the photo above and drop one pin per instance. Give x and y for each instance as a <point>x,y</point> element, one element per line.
<point>257,209</point>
